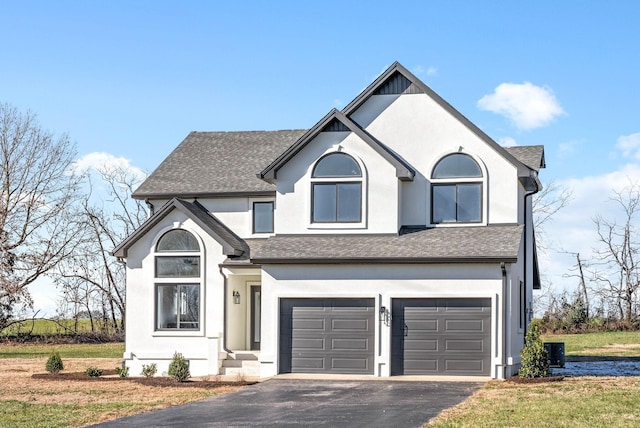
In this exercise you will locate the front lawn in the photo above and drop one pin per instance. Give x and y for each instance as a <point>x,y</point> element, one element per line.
<point>612,343</point>
<point>573,402</point>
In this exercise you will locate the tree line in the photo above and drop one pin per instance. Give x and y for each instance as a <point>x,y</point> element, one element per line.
<point>607,279</point>
<point>60,222</point>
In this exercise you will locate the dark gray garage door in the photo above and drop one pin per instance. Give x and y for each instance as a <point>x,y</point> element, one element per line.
<point>441,337</point>
<point>327,335</point>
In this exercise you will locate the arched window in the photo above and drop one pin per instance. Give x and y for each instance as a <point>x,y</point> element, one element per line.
<point>456,190</point>
<point>336,189</point>
<point>178,278</point>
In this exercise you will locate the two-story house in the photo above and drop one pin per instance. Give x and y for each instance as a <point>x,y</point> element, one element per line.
<point>394,237</point>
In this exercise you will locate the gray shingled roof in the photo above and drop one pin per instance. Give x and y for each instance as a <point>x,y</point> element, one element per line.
<point>443,244</point>
<point>531,156</point>
<point>207,163</point>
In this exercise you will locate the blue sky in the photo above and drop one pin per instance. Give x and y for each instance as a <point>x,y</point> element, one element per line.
<point>132,78</point>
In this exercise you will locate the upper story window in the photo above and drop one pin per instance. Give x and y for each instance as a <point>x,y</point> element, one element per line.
<point>263,217</point>
<point>178,280</point>
<point>456,190</point>
<point>336,190</point>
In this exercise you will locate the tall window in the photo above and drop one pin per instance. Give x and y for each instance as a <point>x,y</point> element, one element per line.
<point>263,217</point>
<point>178,273</point>
<point>336,190</point>
<point>456,190</point>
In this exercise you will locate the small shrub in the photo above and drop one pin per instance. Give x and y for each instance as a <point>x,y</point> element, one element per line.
<point>179,368</point>
<point>535,361</point>
<point>122,371</point>
<point>93,372</point>
<point>54,363</point>
<point>149,370</point>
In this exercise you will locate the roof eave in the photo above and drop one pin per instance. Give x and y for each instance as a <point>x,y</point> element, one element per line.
<point>194,195</point>
<point>387,260</point>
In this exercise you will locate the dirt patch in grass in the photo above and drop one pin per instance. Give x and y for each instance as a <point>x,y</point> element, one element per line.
<point>543,379</point>
<point>24,380</point>
<point>111,376</point>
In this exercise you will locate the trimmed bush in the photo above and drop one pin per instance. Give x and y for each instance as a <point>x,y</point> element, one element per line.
<point>179,368</point>
<point>122,371</point>
<point>535,361</point>
<point>54,363</point>
<point>149,370</point>
<point>93,372</point>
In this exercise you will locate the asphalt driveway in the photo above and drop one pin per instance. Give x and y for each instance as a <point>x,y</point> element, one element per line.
<point>330,403</point>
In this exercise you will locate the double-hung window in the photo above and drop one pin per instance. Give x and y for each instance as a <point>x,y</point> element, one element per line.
<point>456,190</point>
<point>336,189</point>
<point>178,281</point>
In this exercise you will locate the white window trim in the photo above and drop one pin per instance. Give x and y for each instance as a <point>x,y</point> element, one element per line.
<point>200,281</point>
<point>362,224</point>
<point>484,181</point>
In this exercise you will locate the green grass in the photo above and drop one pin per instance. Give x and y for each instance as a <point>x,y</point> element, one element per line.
<point>20,414</point>
<point>101,350</point>
<point>578,402</point>
<point>48,327</point>
<point>599,344</point>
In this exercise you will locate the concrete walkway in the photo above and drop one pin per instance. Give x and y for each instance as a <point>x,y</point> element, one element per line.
<point>329,403</point>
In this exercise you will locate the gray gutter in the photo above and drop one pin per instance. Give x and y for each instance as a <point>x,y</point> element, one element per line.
<point>389,260</point>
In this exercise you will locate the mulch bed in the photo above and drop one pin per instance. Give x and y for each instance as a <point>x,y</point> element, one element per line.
<point>110,376</point>
<point>544,379</point>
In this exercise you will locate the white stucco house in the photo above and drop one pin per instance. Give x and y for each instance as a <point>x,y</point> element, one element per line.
<point>394,237</point>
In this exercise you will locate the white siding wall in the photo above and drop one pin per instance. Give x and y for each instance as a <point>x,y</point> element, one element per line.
<point>380,188</point>
<point>383,283</point>
<point>421,132</point>
<point>143,344</point>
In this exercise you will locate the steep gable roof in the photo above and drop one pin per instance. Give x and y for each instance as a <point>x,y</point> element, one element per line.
<point>232,245</point>
<point>397,79</point>
<point>217,163</point>
<point>337,121</point>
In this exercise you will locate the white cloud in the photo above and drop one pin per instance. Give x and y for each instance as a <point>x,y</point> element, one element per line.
<point>629,145</point>
<point>429,71</point>
<point>100,161</point>
<point>507,142</point>
<point>567,149</point>
<point>528,106</point>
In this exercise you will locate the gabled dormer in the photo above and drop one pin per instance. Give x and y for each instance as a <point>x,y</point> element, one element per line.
<point>405,142</point>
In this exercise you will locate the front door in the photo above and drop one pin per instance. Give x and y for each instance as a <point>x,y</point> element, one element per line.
<point>255,317</point>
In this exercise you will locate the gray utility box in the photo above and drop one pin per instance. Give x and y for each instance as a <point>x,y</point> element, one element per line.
<point>555,352</point>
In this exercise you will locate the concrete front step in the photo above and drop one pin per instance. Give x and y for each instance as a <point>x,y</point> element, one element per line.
<point>244,364</point>
<point>243,355</point>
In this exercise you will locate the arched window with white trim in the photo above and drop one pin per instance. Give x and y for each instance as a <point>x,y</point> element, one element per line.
<point>456,190</point>
<point>178,280</point>
<point>336,190</point>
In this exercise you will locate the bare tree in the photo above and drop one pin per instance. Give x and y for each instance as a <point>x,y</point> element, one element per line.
<point>37,193</point>
<point>546,203</point>
<point>618,252</point>
<point>91,272</point>
<point>578,271</point>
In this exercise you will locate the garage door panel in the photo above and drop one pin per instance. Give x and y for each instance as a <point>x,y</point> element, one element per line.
<point>350,344</point>
<point>327,335</point>
<point>464,345</point>
<point>441,336</point>
<point>308,324</point>
<point>464,326</point>
<point>309,344</point>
